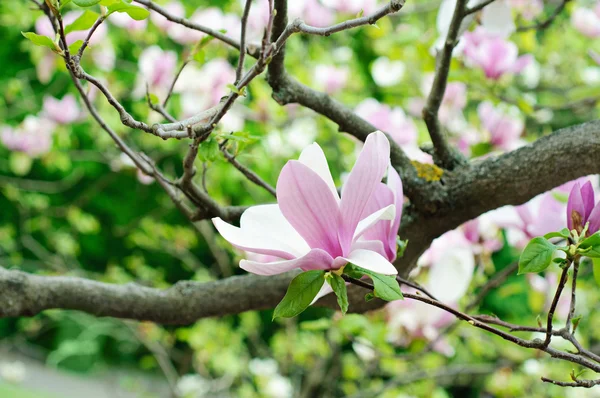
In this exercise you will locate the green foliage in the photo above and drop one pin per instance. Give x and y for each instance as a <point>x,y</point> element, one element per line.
<point>40,40</point>
<point>338,285</point>
<point>84,22</point>
<point>590,247</point>
<point>386,287</point>
<point>301,292</point>
<point>536,256</point>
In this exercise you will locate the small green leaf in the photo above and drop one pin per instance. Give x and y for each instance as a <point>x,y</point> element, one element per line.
<point>84,22</point>
<point>386,287</point>
<point>209,150</point>
<point>575,321</point>
<point>591,246</point>
<point>86,3</point>
<point>537,255</point>
<point>338,285</point>
<point>74,47</point>
<point>563,233</point>
<point>596,267</point>
<point>301,292</point>
<point>40,40</point>
<point>135,12</point>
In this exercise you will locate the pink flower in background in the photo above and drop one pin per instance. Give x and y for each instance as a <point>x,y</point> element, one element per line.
<point>312,12</point>
<point>122,20</point>
<point>493,54</point>
<point>391,120</point>
<point>582,209</point>
<point>352,6</point>
<point>174,8</point>
<point>33,137</point>
<point>529,9</point>
<point>587,21</point>
<point>44,27</point>
<point>312,228</point>
<point>448,266</point>
<point>331,78</point>
<point>157,69</point>
<point>547,286</point>
<point>504,129</point>
<point>62,111</point>
<point>202,88</point>
<point>387,73</point>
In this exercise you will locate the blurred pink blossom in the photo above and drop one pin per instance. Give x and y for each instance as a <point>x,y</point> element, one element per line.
<point>352,6</point>
<point>312,12</point>
<point>529,9</point>
<point>62,111</point>
<point>44,27</point>
<point>123,20</point>
<point>33,137</point>
<point>493,54</point>
<point>587,21</point>
<point>174,8</point>
<point>157,70</point>
<point>331,78</point>
<point>504,129</point>
<point>391,120</point>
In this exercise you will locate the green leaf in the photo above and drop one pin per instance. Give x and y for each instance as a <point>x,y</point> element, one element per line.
<point>86,3</point>
<point>40,40</point>
<point>596,267</point>
<point>64,3</point>
<point>84,22</point>
<point>537,255</point>
<point>135,12</point>
<point>386,287</point>
<point>338,285</point>
<point>209,150</point>
<point>74,47</point>
<point>301,292</point>
<point>591,246</point>
<point>563,233</point>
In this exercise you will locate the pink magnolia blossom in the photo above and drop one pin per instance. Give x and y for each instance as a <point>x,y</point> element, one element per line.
<point>493,54</point>
<point>387,73</point>
<point>44,27</point>
<point>504,129</point>
<point>122,20</point>
<point>331,78</point>
<point>62,111</point>
<point>33,137</point>
<point>311,227</point>
<point>529,9</point>
<point>587,21</point>
<point>448,265</point>
<point>312,12</point>
<point>352,6</point>
<point>157,69</point>
<point>204,87</point>
<point>582,209</point>
<point>391,120</point>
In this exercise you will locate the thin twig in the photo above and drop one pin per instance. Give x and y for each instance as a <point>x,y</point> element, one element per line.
<point>573,294</point>
<point>545,24</point>
<point>561,285</point>
<point>478,7</point>
<point>240,67</point>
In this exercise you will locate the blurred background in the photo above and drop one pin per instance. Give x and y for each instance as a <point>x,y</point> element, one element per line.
<point>72,204</point>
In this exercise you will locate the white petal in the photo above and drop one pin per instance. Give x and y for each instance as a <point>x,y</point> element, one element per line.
<point>387,213</point>
<point>313,157</point>
<point>372,261</point>
<point>268,220</point>
<point>325,290</point>
<point>451,275</point>
<point>497,19</point>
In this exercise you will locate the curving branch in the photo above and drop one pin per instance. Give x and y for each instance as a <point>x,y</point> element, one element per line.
<point>470,190</point>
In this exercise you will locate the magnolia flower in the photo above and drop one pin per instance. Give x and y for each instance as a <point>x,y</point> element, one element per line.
<point>33,137</point>
<point>311,227</point>
<point>587,21</point>
<point>540,215</point>
<point>493,54</point>
<point>204,87</point>
<point>61,111</point>
<point>504,128</point>
<point>157,68</point>
<point>331,78</point>
<point>43,26</point>
<point>391,120</point>
<point>387,73</point>
<point>450,264</point>
<point>352,6</point>
<point>529,9</point>
<point>581,209</point>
